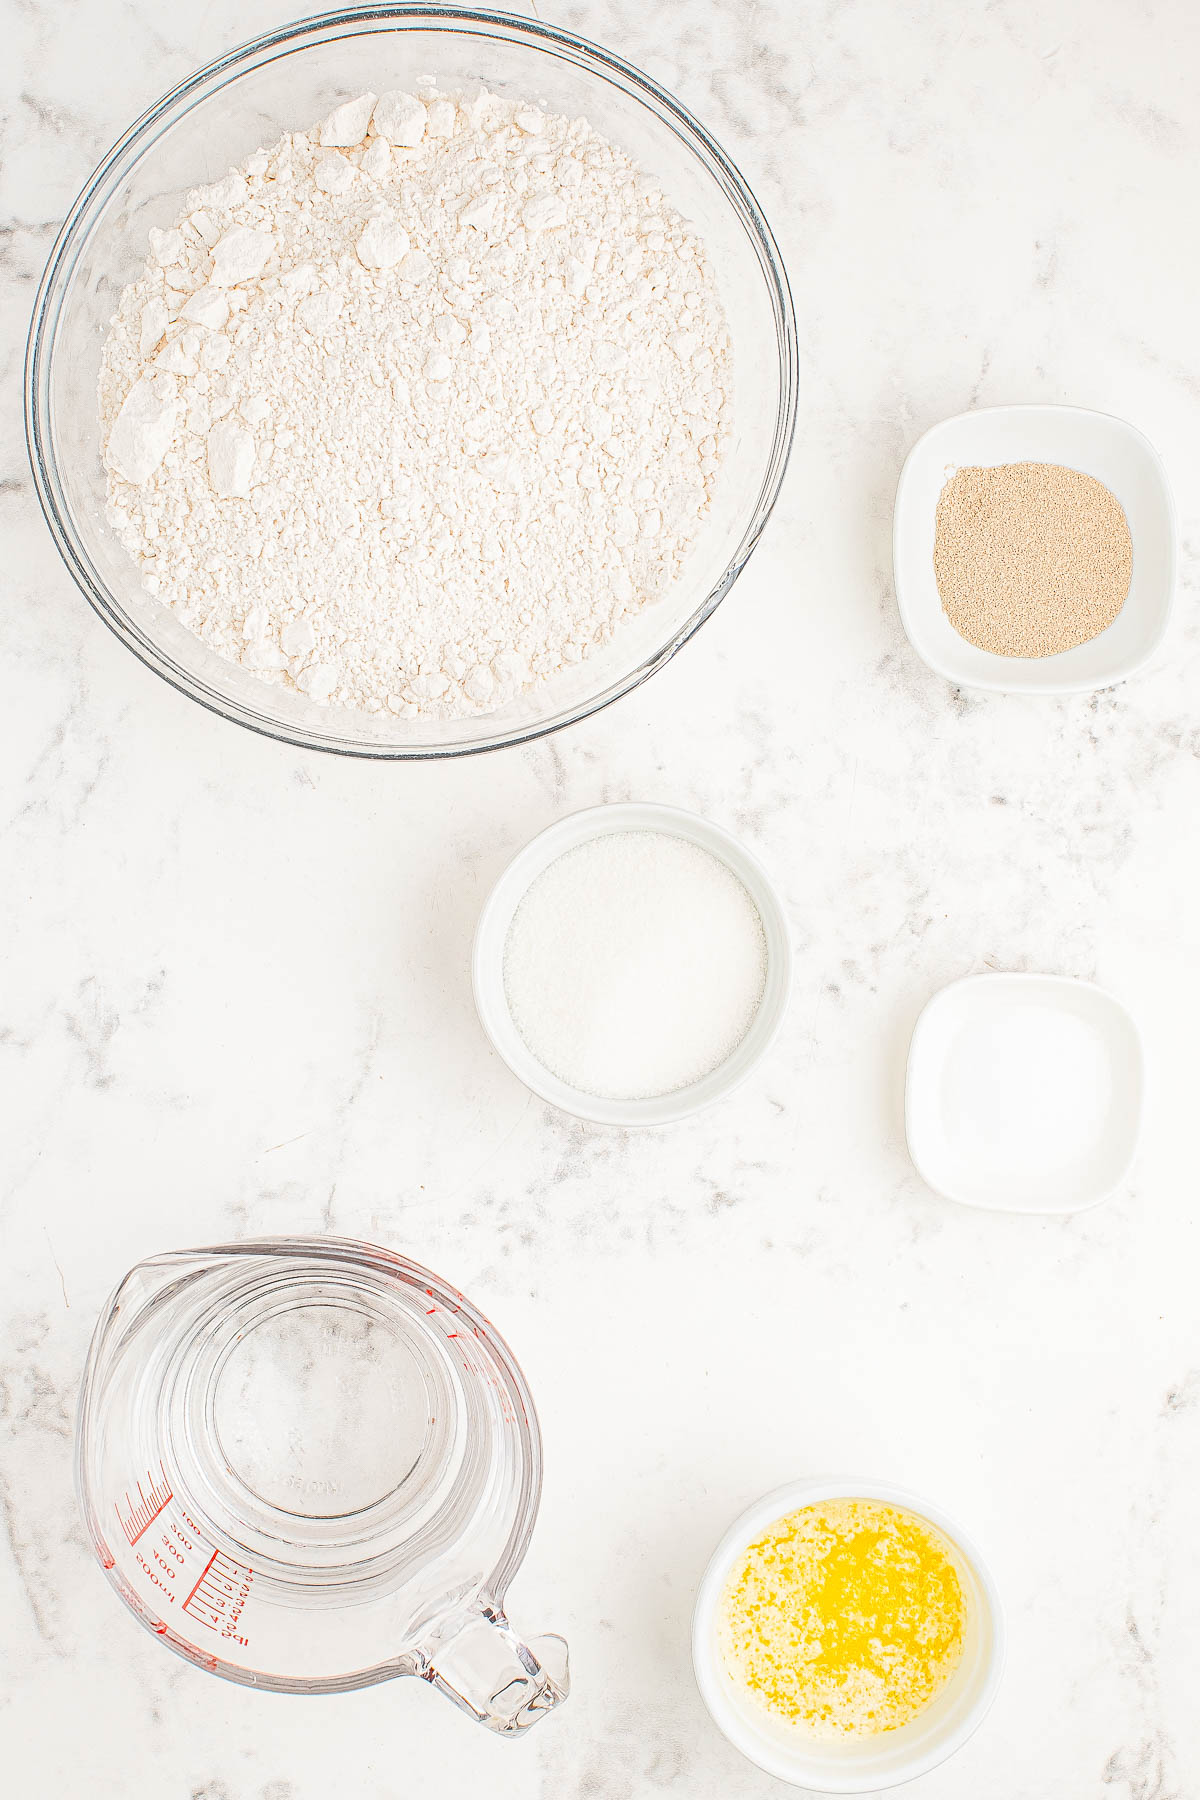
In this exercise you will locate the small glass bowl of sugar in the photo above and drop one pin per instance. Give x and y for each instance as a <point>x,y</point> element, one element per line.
<point>632,964</point>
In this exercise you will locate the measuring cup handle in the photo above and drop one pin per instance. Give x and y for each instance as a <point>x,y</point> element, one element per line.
<point>484,1667</point>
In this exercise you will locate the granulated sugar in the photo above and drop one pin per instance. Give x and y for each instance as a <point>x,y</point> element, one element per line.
<point>634,965</point>
<point>1030,558</point>
<point>413,409</point>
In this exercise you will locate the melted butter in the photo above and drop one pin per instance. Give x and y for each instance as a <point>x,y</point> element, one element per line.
<point>845,1618</point>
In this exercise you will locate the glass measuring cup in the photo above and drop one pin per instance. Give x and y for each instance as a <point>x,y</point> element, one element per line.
<point>308,1464</point>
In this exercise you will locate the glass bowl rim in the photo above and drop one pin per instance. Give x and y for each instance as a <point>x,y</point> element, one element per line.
<point>68,246</point>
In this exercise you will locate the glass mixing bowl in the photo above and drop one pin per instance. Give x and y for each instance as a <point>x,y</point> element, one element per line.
<point>286,81</point>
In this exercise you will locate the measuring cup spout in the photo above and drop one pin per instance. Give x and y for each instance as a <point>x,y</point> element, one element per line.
<point>484,1667</point>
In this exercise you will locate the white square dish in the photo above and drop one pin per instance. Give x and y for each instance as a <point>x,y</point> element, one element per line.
<point>1099,445</point>
<point>1024,1093</point>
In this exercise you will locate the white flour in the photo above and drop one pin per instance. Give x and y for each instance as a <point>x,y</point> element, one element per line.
<point>413,419</point>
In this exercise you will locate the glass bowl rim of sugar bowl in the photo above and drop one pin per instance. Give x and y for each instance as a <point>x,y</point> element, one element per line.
<point>284,80</point>
<point>491,935</point>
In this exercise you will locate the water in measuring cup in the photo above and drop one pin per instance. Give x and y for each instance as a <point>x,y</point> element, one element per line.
<point>321,1412</point>
<point>302,1470</point>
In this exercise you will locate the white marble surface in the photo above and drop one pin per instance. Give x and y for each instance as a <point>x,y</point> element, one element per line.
<point>235,994</point>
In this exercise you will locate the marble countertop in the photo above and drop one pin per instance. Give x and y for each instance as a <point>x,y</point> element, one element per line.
<point>235,996</point>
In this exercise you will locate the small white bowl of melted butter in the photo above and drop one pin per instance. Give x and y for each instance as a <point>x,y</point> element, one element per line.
<point>847,1635</point>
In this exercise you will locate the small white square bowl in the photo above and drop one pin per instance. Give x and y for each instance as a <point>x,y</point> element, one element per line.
<point>1065,1134</point>
<point>1107,448</point>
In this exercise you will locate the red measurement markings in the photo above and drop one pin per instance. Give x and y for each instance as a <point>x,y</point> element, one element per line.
<point>208,1565</point>
<point>143,1512</point>
<point>220,1594</point>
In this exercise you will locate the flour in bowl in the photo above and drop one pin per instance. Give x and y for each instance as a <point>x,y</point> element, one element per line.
<point>412,409</point>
